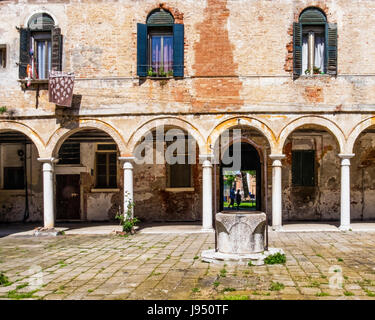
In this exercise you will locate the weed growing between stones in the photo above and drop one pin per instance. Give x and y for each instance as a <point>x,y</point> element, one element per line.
<point>4,281</point>
<point>276,286</point>
<point>276,258</point>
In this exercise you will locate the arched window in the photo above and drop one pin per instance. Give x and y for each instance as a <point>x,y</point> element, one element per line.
<point>40,47</point>
<point>160,45</point>
<point>315,44</point>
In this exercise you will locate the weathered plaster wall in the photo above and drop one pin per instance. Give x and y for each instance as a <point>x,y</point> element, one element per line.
<point>237,65</point>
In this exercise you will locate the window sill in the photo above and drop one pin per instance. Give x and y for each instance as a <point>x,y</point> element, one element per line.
<point>105,190</point>
<point>20,192</point>
<point>41,81</point>
<point>159,78</point>
<point>34,84</point>
<point>179,189</point>
<point>309,76</point>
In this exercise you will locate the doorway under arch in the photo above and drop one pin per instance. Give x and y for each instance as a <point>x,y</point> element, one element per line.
<point>244,177</point>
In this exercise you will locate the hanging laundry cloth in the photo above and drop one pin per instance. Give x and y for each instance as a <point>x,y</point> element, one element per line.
<point>60,88</point>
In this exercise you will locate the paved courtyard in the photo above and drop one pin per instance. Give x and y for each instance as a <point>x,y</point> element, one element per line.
<point>168,266</point>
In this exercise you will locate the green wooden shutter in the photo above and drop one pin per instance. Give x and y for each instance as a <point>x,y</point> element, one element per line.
<point>142,64</point>
<point>331,45</point>
<point>56,49</point>
<point>24,53</point>
<point>178,50</point>
<point>297,49</point>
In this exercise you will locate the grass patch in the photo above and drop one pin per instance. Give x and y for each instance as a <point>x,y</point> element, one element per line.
<point>223,273</point>
<point>250,263</point>
<point>348,293</point>
<point>229,289</point>
<point>235,297</point>
<point>319,255</point>
<point>4,280</point>
<point>62,264</point>
<point>322,294</point>
<point>18,296</point>
<point>315,284</point>
<point>340,260</point>
<point>195,290</point>
<point>276,258</point>
<point>216,284</point>
<point>276,286</point>
<point>369,293</point>
<point>196,257</point>
<point>90,290</point>
<point>21,286</point>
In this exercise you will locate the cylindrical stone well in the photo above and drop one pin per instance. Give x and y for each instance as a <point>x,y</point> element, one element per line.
<point>240,233</point>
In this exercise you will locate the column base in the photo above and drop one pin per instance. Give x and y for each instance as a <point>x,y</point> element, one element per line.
<point>208,230</point>
<point>345,228</point>
<point>277,228</point>
<point>47,232</point>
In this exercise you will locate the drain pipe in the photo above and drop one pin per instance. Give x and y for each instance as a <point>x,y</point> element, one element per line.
<point>215,207</point>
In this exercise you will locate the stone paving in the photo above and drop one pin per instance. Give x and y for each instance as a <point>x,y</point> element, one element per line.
<point>168,266</point>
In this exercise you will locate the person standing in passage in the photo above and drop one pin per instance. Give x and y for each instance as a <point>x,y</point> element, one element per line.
<point>232,196</point>
<point>238,199</point>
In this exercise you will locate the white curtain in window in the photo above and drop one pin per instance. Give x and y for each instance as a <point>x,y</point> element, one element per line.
<point>305,54</point>
<point>41,58</point>
<point>319,52</point>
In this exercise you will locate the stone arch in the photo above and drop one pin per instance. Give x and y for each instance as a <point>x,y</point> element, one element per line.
<point>329,125</point>
<point>40,10</point>
<point>27,131</point>
<point>61,134</point>
<point>243,121</point>
<point>356,132</point>
<point>169,121</point>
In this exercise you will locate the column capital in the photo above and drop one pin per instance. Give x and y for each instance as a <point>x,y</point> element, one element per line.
<point>49,160</point>
<point>208,157</point>
<point>126,159</point>
<point>346,156</point>
<point>277,156</point>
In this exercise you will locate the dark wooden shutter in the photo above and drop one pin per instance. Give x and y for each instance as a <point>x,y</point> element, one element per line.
<point>297,49</point>
<point>178,50</point>
<point>24,53</point>
<point>331,41</point>
<point>296,168</point>
<point>308,166</point>
<point>142,64</point>
<point>56,49</point>
<point>303,168</point>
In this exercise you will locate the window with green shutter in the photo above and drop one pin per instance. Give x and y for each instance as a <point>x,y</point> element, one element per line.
<point>160,46</point>
<point>314,44</point>
<point>40,48</point>
<point>303,168</point>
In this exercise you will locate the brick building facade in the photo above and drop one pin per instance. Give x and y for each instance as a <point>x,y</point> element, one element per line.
<point>236,64</point>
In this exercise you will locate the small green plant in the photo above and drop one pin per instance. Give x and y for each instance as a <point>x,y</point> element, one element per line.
<point>348,293</point>
<point>276,258</point>
<point>229,289</point>
<point>315,284</point>
<point>90,290</point>
<point>340,260</point>
<point>322,294</point>
<point>250,263</point>
<point>223,273</point>
<point>195,290</point>
<point>17,296</point>
<point>21,286</point>
<point>4,281</point>
<point>127,220</point>
<point>3,109</point>
<point>235,297</point>
<point>319,255</point>
<point>196,257</point>
<point>276,286</point>
<point>216,284</point>
<point>369,293</point>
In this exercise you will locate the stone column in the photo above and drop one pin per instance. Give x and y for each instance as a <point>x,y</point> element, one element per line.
<point>345,191</point>
<point>48,191</point>
<point>128,183</point>
<point>276,191</point>
<point>207,193</point>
